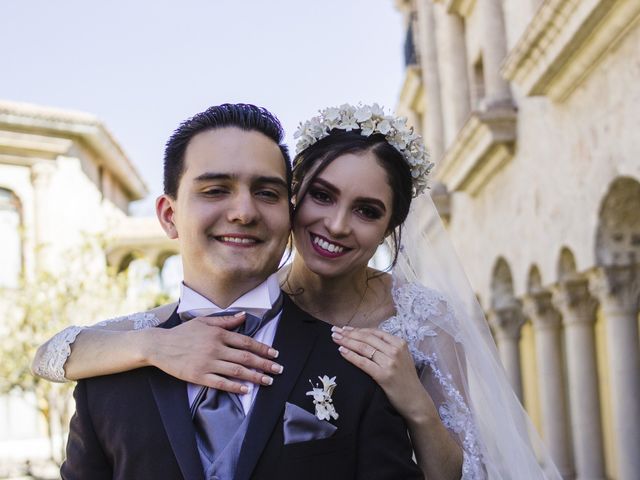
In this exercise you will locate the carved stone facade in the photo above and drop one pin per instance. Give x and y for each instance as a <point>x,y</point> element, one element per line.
<point>531,109</point>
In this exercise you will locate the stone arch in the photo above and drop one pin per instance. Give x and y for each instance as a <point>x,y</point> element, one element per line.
<point>618,233</point>
<point>566,268</point>
<point>163,256</point>
<point>11,238</point>
<point>501,284</point>
<point>534,280</point>
<point>170,272</point>
<point>127,258</point>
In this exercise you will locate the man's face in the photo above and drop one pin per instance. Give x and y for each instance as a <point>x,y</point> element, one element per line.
<point>231,214</point>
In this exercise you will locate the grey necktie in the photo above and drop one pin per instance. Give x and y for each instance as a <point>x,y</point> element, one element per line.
<point>218,416</point>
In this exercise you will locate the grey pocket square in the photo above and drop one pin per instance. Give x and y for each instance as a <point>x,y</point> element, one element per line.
<point>302,426</point>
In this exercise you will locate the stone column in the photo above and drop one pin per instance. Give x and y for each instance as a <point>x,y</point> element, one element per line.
<point>494,51</point>
<point>618,289</point>
<point>452,60</point>
<point>578,310</point>
<point>555,420</point>
<point>433,125</point>
<point>507,322</point>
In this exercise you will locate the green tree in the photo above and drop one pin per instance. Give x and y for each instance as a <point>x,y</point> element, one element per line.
<point>81,289</point>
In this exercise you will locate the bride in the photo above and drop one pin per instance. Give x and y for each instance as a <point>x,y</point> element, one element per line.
<point>355,175</point>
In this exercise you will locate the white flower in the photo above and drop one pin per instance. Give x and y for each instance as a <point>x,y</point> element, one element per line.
<point>331,114</point>
<point>377,110</point>
<point>370,119</point>
<point>322,398</point>
<point>363,113</point>
<point>384,126</point>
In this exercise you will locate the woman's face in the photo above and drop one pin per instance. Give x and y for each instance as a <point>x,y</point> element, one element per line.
<point>344,215</point>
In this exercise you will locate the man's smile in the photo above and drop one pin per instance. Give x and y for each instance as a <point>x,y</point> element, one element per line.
<point>238,240</point>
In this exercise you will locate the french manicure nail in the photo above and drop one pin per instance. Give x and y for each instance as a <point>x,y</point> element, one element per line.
<point>335,328</point>
<point>341,349</point>
<point>337,336</point>
<point>267,380</point>
<point>348,328</point>
<point>239,314</point>
<point>273,353</point>
<point>275,368</point>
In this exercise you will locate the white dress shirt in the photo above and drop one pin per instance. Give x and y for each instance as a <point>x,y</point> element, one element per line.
<point>256,302</point>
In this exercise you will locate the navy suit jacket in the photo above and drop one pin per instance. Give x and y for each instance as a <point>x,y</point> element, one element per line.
<point>136,425</point>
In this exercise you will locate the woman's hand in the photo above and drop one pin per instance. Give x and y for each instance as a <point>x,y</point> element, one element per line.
<point>386,359</point>
<point>204,351</point>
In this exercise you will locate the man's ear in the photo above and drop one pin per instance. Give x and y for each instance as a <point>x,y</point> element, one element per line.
<point>165,210</point>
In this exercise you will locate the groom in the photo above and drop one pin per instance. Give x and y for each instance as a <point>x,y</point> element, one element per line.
<point>227,179</point>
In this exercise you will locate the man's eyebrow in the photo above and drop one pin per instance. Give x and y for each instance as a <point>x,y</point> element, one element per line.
<point>208,176</point>
<point>259,179</point>
<point>330,186</point>
<point>279,181</point>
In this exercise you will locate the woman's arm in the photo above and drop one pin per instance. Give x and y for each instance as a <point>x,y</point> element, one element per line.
<point>387,360</point>
<point>201,351</point>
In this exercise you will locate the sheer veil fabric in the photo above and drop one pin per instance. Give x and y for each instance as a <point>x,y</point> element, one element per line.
<point>448,335</point>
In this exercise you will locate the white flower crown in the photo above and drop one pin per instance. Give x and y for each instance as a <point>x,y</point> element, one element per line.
<point>370,119</point>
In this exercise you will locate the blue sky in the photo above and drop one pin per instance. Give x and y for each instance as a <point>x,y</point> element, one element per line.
<point>143,66</point>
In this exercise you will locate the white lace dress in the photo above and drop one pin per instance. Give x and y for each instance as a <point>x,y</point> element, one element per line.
<point>423,319</point>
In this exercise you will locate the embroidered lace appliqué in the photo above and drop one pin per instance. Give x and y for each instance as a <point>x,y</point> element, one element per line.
<point>139,320</point>
<point>417,309</point>
<point>51,364</point>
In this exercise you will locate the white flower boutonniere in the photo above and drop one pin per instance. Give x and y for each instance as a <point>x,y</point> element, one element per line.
<point>322,398</point>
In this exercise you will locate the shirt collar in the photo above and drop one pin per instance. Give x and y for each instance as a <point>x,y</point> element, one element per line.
<point>256,301</point>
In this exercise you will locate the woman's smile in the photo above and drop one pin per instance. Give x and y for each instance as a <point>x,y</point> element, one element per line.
<point>326,247</point>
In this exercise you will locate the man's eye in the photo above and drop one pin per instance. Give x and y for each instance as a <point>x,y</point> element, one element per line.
<point>268,194</point>
<point>214,191</point>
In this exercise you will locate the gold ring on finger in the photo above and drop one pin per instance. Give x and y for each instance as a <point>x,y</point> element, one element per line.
<point>372,354</point>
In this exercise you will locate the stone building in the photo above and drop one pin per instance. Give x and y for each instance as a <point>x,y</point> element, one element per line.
<point>62,175</point>
<point>531,109</point>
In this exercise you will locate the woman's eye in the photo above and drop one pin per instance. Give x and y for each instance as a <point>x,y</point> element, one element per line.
<point>370,213</point>
<point>320,195</point>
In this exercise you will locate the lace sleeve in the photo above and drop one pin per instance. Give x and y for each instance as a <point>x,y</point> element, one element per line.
<point>51,357</point>
<point>425,321</point>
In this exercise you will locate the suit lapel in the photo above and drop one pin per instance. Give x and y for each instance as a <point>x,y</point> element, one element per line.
<point>171,398</point>
<point>294,339</point>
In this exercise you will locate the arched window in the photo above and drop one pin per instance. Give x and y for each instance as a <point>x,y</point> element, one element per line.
<point>10,239</point>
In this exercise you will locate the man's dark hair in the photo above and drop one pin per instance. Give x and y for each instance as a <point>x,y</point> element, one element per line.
<point>245,116</point>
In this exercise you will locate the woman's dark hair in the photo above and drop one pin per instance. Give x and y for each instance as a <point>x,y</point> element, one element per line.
<point>309,163</point>
<point>245,116</point>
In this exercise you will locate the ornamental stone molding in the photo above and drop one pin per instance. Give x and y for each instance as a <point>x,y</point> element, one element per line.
<point>26,148</point>
<point>459,7</point>
<point>539,308</point>
<point>617,288</point>
<point>140,236</point>
<point>48,132</point>
<point>564,42</point>
<point>508,320</point>
<point>483,146</point>
<point>574,300</point>
<point>41,174</point>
